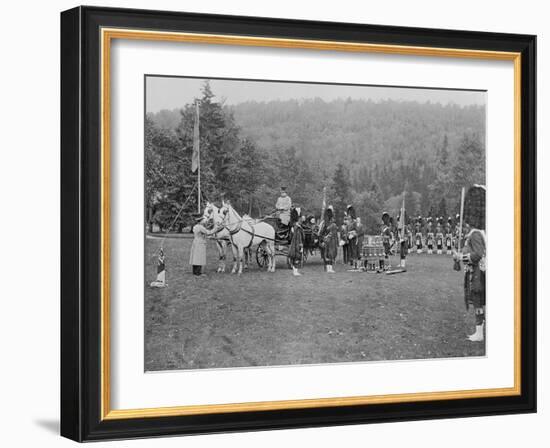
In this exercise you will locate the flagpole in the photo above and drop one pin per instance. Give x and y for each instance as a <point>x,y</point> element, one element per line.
<point>198,163</point>
<point>199,182</point>
<point>324,205</point>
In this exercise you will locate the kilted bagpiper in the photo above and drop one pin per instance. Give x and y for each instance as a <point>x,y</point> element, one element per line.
<point>197,257</point>
<point>328,239</point>
<point>474,257</point>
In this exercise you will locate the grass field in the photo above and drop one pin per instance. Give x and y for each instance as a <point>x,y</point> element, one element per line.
<point>262,319</point>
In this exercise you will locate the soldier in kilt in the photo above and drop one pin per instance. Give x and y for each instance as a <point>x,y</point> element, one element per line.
<point>344,242</point>
<point>439,235</point>
<point>354,249</point>
<point>449,235</point>
<point>328,240</point>
<point>430,235</point>
<point>296,248</point>
<point>386,239</point>
<point>474,257</point>
<point>418,235</point>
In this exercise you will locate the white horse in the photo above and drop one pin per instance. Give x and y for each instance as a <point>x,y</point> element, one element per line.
<point>221,235</point>
<point>245,234</point>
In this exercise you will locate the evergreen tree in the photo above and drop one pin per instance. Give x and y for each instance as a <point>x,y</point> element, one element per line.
<point>342,190</point>
<point>442,209</point>
<point>469,166</point>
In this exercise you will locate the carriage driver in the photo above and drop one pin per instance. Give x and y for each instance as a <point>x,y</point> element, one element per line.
<point>283,206</point>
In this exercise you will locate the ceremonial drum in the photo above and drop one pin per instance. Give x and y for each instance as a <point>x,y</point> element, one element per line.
<point>372,252</point>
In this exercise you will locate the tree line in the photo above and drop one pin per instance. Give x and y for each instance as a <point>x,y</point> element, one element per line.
<point>365,153</point>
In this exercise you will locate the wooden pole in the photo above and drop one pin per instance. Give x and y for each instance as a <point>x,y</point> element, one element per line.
<point>199,166</point>
<point>324,206</point>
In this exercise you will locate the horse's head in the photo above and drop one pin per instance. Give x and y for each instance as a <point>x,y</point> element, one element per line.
<point>209,212</point>
<point>223,211</point>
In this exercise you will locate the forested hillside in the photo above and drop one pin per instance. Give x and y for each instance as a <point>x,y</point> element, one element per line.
<point>364,152</point>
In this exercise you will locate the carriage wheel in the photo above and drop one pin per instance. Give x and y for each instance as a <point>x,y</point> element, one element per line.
<point>262,256</point>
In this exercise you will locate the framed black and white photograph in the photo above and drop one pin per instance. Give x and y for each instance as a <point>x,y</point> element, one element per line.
<point>307,180</point>
<point>277,224</point>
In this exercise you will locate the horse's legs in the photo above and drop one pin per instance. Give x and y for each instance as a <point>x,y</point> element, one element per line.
<point>222,246</point>
<point>224,252</point>
<point>246,258</point>
<point>240,251</point>
<point>234,250</point>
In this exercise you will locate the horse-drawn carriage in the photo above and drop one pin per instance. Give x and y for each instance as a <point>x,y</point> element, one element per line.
<point>267,236</point>
<point>283,240</point>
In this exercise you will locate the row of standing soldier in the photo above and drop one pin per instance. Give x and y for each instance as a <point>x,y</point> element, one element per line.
<point>421,233</point>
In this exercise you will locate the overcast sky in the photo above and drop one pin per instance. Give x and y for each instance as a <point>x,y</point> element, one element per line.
<point>172,93</point>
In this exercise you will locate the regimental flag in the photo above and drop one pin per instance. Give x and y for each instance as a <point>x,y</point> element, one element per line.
<point>195,160</point>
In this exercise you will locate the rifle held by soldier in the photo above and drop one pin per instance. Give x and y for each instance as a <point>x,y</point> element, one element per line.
<point>458,254</point>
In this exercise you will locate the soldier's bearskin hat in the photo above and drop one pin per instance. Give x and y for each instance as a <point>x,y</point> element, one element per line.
<point>329,213</point>
<point>351,212</point>
<point>474,207</point>
<point>385,216</point>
